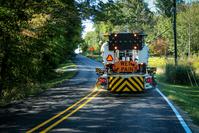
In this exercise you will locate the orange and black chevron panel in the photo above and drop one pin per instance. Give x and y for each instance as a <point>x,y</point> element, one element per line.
<point>130,84</point>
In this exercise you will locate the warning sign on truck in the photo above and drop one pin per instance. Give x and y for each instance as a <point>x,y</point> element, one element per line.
<point>125,66</point>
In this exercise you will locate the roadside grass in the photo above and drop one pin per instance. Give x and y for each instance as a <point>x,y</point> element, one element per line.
<point>186,97</point>
<point>63,72</point>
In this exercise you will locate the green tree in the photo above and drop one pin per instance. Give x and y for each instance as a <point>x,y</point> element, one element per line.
<point>164,7</point>
<point>125,15</point>
<point>35,36</point>
<point>187,21</point>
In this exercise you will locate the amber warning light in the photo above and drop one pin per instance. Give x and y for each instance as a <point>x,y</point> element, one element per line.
<point>109,58</point>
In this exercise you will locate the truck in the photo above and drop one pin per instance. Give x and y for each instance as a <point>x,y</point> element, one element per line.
<point>125,59</point>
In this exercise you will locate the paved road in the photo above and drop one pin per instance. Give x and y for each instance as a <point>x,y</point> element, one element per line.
<point>102,112</point>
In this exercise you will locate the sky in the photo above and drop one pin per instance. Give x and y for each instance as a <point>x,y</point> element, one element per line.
<point>88,25</point>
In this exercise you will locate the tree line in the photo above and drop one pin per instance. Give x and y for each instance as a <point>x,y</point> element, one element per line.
<point>35,37</point>
<point>131,15</point>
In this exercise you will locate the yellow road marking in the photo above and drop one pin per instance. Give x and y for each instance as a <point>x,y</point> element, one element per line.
<point>71,113</point>
<point>59,114</point>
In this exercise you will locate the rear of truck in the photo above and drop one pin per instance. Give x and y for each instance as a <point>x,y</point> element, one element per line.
<point>125,58</point>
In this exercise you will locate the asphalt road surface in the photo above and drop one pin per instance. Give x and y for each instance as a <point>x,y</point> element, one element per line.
<point>77,106</point>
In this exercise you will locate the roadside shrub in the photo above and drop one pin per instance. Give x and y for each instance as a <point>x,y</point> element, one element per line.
<point>181,74</point>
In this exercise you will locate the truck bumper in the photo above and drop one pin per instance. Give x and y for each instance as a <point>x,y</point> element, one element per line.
<point>126,83</point>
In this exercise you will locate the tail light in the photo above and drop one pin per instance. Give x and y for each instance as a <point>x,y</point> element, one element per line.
<point>149,80</point>
<point>102,80</point>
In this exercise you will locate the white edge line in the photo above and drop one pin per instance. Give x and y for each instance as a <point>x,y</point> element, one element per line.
<point>182,122</point>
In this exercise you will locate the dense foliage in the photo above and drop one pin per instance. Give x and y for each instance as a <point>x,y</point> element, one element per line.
<point>130,15</point>
<point>134,15</point>
<point>35,36</point>
<point>187,32</point>
<point>119,16</point>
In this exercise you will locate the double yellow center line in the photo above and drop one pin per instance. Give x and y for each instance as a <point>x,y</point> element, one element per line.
<point>42,128</point>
